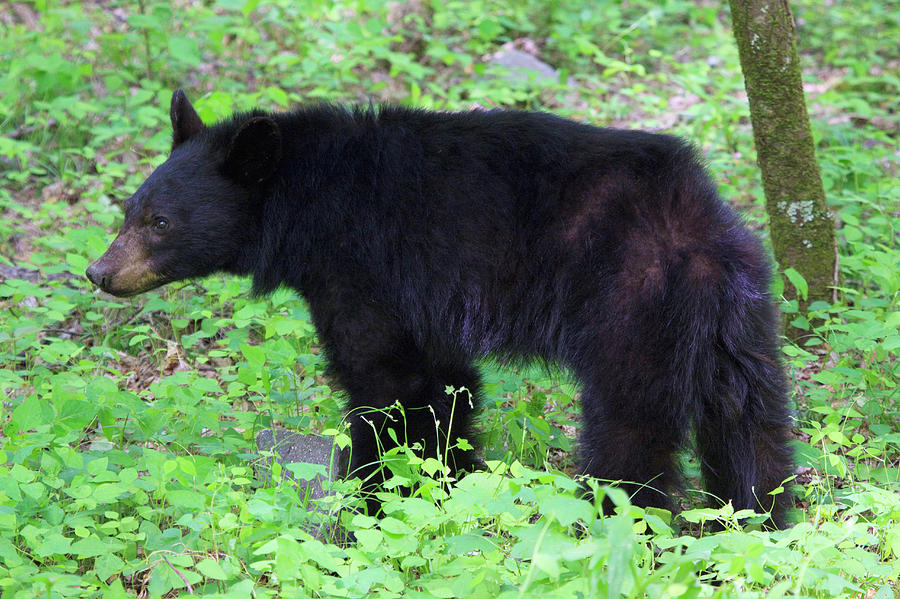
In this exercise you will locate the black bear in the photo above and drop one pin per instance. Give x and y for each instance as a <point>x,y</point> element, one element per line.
<point>424,240</point>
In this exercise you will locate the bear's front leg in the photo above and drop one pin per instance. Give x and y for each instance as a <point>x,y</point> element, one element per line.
<point>398,391</point>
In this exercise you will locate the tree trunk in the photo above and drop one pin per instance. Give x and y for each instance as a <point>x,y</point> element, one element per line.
<point>802,229</point>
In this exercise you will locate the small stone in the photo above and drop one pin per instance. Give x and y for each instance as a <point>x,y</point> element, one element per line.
<point>522,65</point>
<point>292,448</point>
<point>295,448</point>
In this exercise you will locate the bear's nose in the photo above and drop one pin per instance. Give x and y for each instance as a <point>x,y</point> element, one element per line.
<point>96,275</point>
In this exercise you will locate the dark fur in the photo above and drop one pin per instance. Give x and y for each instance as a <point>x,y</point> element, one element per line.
<point>423,241</point>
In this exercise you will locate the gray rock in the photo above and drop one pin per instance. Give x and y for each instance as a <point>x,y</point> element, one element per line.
<point>523,66</point>
<point>295,448</point>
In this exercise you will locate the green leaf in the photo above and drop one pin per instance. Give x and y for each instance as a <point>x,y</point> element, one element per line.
<point>288,556</point>
<point>394,526</point>
<point>32,413</point>
<point>140,21</point>
<point>115,590</point>
<point>548,563</point>
<point>211,569</point>
<point>93,546</point>
<point>107,565</point>
<point>488,29</point>
<point>254,355</point>
<point>78,263</point>
<point>97,466</point>
<point>468,543</point>
<point>798,282</point>
<point>190,500</point>
<point>567,510</point>
<point>184,49</point>
<point>370,540</point>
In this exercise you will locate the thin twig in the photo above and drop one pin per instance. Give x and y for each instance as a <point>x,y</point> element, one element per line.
<point>174,569</point>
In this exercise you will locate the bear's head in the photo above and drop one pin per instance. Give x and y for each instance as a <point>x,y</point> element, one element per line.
<point>197,213</point>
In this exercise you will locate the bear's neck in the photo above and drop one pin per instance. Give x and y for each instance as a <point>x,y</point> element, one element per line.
<point>303,219</point>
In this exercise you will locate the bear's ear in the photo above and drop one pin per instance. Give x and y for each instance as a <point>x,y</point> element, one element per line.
<point>185,121</point>
<point>255,151</point>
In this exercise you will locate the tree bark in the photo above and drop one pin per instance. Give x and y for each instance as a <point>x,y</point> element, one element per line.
<point>801,226</point>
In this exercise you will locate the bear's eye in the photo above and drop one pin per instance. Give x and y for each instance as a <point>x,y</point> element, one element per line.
<point>160,223</point>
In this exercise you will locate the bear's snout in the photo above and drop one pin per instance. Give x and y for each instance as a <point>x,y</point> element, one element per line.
<point>97,275</point>
<point>125,269</point>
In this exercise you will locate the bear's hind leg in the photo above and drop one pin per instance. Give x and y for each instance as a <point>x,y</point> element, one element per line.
<point>744,427</point>
<point>633,444</point>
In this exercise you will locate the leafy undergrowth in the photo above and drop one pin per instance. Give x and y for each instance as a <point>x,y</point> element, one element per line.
<point>127,456</point>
